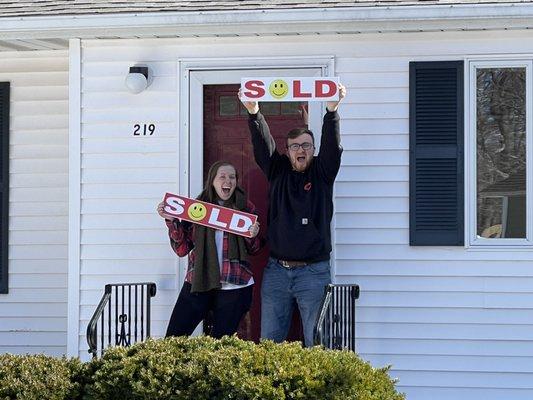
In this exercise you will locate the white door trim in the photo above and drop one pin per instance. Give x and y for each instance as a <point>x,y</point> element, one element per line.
<point>194,73</point>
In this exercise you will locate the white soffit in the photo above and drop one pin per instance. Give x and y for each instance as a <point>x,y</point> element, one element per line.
<point>33,33</point>
<point>33,44</point>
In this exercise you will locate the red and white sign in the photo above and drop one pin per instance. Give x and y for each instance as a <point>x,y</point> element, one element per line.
<point>290,89</point>
<point>210,215</point>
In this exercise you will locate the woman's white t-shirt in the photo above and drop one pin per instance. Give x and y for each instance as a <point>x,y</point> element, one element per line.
<point>219,241</point>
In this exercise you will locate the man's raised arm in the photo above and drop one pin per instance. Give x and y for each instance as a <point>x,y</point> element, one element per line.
<point>262,141</point>
<point>330,141</point>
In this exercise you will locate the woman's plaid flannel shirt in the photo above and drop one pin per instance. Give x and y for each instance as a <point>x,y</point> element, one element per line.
<point>233,271</point>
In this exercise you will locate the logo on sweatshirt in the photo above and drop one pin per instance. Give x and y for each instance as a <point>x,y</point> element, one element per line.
<point>307,186</point>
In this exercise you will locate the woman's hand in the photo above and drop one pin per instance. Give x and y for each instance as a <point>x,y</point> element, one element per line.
<point>254,230</point>
<point>162,213</point>
<point>304,113</point>
<point>251,106</point>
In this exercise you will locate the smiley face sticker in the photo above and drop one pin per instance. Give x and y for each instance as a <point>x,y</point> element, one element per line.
<point>278,88</point>
<point>197,211</point>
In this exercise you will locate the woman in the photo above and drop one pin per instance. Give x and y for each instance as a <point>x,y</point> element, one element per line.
<point>219,278</point>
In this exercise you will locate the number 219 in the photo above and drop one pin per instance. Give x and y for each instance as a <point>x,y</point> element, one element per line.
<point>147,130</point>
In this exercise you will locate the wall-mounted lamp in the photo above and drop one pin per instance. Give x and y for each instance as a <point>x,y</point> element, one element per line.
<point>137,79</point>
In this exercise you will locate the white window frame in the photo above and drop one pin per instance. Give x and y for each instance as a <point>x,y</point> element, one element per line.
<point>473,240</point>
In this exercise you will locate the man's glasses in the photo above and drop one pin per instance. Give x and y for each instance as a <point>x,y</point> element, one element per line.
<point>296,146</point>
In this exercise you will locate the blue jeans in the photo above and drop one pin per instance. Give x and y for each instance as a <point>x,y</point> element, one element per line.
<point>281,288</point>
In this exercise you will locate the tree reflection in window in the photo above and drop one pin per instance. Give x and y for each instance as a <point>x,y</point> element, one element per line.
<point>501,152</point>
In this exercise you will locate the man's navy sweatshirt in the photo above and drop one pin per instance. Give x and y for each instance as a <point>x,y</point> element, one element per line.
<point>301,205</point>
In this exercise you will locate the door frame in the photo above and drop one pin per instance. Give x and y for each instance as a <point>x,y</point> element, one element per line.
<point>196,72</point>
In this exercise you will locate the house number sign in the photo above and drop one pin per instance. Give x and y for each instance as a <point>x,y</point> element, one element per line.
<point>143,129</point>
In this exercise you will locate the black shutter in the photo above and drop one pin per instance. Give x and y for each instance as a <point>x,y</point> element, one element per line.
<point>4,183</point>
<point>436,191</point>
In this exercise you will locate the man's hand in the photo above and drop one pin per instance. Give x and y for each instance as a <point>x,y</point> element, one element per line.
<point>251,106</point>
<point>334,105</point>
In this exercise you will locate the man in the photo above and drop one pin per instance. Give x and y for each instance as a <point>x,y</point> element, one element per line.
<point>300,212</point>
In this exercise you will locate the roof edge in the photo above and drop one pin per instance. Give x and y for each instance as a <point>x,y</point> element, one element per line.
<point>279,21</point>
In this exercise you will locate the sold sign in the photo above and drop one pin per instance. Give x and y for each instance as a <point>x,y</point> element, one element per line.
<point>289,89</point>
<point>210,215</point>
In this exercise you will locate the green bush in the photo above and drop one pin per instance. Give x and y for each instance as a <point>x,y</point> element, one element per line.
<point>206,369</point>
<point>38,377</point>
<point>197,368</point>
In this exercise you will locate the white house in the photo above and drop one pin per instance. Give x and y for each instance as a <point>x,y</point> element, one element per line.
<point>433,200</point>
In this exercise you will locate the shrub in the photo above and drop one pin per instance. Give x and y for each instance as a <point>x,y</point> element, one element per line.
<point>197,368</point>
<point>38,377</point>
<point>206,369</point>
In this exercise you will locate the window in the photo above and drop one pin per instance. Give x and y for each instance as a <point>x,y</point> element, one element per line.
<point>499,138</point>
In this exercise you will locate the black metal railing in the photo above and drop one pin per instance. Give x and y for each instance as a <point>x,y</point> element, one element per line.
<point>122,316</point>
<point>335,325</point>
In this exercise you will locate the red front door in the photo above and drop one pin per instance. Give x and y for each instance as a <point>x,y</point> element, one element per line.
<point>226,137</point>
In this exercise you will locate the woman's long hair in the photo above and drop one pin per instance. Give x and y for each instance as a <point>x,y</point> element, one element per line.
<point>209,193</point>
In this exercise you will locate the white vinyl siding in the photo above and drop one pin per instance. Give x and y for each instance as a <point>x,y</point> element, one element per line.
<point>454,323</point>
<point>33,315</point>
<point>123,177</point>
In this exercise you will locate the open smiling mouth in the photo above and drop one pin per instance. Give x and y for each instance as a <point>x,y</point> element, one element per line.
<point>226,191</point>
<point>300,159</point>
